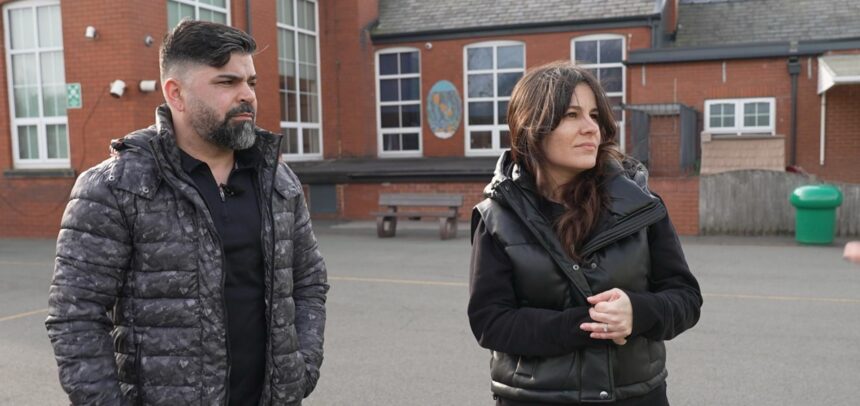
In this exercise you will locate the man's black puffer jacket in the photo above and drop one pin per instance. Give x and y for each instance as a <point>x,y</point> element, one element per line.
<point>137,312</point>
<point>546,280</point>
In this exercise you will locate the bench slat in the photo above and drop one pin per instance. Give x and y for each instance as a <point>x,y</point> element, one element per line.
<point>421,199</point>
<point>449,213</point>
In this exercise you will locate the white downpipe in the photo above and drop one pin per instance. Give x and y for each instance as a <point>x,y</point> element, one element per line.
<point>823,121</point>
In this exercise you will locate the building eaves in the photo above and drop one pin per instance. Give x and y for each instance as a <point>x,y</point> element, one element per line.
<point>404,20</point>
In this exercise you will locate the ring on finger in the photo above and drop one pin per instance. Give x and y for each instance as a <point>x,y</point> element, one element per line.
<point>605,328</point>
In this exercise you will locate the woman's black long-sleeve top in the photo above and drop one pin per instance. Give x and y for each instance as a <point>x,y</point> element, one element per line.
<point>501,325</point>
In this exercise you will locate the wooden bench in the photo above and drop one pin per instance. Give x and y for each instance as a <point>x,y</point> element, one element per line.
<point>386,221</point>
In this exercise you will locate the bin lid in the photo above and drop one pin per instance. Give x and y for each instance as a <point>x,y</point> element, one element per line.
<point>816,197</point>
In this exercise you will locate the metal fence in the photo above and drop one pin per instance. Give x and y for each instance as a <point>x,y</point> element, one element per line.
<point>755,202</point>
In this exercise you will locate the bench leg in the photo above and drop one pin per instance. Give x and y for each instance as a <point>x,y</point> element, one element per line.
<point>386,226</point>
<point>447,227</point>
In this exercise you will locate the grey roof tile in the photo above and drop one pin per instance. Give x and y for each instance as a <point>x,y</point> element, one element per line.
<point>413,16</point>
<point>725,22</point>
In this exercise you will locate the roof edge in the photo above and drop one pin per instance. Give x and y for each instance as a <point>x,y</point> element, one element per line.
<point>741,51</point>
<point>514,29</point>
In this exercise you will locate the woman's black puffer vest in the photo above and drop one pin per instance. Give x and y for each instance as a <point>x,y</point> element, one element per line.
<point>545,277</point>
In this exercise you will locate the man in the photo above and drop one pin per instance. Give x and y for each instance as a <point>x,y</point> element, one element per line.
<point>187,271</point>
<point>852,252</point>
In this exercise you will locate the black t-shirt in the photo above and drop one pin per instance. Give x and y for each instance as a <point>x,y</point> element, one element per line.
<point>235,210</point>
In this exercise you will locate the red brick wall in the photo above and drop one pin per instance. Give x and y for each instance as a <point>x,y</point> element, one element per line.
<point>842,135</point>
<point>681,196</point>
<point>444,61</point>
<point>665,146</point>
<point>693,83</point>
<point>33,206</point>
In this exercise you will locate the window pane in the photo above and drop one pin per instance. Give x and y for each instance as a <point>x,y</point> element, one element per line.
<point>729,121</point>
<point>610,79</point>
<point>388,90</point>
<point>387,64</point>
<point>216,3</point>
<point>410,142</point>
<point>20,28</point>
<point>390,116</point>
<point>53,86</point>
<point>502,110</point>
<point>505,139</point>
<point>411,115</point>
<point>177,11</point>
<point>28,142</point>
<point>480,113</point>
<point>481,85</point>
<point>311,140</point>
<point>285,12</point>
<point>307,78</point>
<point>409,62</point>
<point>307,49</point>
<point>289,76</point>
<point>217,17</point>
<point>409,89</point>
<point>306,15</point>
<point>391,142</point>
<point>292,107</point>
<point>479,58</point>
<point>50,29</point>
<point>58,146</point>
<point>481,140</point>
<point>510,57</point>
<point>506,82</point>
<point>24,86</point>
<point>284,102</point>
<point>617,111</point>
<point>291,144</point>
<point>585,51</point>
<point>715,122</point>
<point>610,50</point>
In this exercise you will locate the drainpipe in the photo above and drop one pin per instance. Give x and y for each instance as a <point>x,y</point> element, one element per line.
<point>793,71</point>
<point>248,15</point>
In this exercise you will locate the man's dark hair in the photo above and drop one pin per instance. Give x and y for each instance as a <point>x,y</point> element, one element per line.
<point>202,42</point>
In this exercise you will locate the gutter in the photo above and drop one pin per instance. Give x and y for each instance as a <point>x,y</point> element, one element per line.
<point>793,71</point>
<point>248,15</point>
<point>741,51</point>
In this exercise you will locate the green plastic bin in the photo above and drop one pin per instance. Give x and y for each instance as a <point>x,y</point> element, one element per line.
<point>816,213</point>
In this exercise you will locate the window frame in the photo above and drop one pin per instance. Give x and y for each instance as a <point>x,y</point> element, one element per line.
<point>620,136</point>
<point>41,122</point>
<point>495,129</point>
<point>298,124</point>
<point>380,132</point>
<point>198,5</point>
<point>739,129</point>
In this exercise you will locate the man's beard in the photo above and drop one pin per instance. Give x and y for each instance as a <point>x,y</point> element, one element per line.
<point>206,123</point>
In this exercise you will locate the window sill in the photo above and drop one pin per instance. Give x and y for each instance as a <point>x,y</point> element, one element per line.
<point>38,173</point>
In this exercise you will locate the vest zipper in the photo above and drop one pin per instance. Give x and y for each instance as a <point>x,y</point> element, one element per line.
<point>628,225</point>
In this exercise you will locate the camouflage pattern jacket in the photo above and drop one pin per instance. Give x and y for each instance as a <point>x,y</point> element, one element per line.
<point>137,312</point>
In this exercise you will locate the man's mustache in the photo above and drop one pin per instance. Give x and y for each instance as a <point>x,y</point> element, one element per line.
<point>243,108</point>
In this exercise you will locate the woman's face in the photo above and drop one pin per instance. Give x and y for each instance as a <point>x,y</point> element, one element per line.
<point>572,147</point>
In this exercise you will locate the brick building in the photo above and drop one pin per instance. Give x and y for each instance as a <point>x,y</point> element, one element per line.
<point>408,95</point>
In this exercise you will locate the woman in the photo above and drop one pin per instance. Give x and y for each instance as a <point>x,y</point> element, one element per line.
<point>577,275</point>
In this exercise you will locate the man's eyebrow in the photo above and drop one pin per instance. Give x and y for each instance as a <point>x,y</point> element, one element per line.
<point>233,76</point>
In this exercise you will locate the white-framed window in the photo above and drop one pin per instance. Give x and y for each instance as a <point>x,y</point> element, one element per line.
<point>398,101</point>
<point>36,77</point>
<point>216,11</point>
<point>740,116</point>
<point>491,69</point>
<point>603,55</point>
<point>299,84</point>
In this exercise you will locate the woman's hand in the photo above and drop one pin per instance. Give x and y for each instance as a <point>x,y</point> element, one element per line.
<point>612,314</point>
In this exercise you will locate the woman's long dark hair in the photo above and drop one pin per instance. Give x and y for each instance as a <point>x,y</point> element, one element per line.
<point>538,103</point>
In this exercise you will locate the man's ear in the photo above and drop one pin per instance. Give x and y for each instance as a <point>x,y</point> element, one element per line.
<point>173,94</point>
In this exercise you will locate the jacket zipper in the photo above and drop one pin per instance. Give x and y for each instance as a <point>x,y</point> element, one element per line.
<point>210,225</point>
<point>271,269</point>
<point>628,225</point>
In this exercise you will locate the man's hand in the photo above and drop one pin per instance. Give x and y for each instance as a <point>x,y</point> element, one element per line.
<point>612,314</point>
<point>852,252</point>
